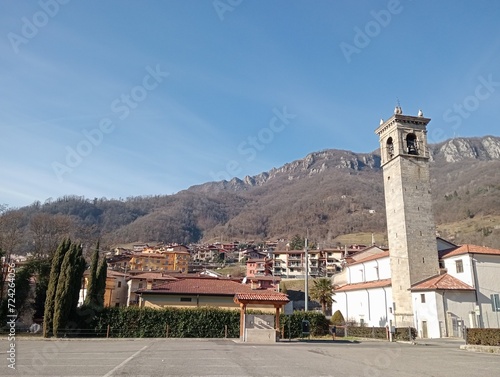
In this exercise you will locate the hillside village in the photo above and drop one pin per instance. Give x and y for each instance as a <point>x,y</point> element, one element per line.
<point>261,266</point>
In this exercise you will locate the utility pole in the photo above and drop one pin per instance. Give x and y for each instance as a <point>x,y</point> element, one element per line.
<point>306,285</point>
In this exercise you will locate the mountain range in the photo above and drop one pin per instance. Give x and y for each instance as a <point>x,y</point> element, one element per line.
<point>327,194</point>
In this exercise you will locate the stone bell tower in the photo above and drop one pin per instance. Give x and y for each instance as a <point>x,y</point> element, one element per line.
<point>410,220</point>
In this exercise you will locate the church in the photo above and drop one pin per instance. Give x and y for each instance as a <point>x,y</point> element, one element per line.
<point>421,281</point>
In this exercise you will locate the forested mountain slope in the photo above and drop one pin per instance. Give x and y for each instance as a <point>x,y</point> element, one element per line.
<point>330,193</point>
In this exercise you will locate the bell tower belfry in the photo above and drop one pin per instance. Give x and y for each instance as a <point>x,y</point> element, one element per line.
<point>410,220</point>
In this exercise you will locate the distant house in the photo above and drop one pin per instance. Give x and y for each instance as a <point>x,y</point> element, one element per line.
<point>259,267</point>
<point>144,281</point>
<point>211,273</point>
<point>263,282</point>
<point>116,293</point>
<point>153,260</point>
<point>251,253</point>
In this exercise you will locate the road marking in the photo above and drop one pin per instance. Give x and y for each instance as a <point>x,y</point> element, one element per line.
<point>110,373</point>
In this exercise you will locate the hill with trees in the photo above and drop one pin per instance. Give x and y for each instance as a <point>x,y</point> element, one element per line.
<point>330,193</point>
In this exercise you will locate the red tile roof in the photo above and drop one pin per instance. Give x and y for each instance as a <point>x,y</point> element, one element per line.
<point>441,282</point>
<point>201,286</point>
<point>471,249</point>
<point>366,285</point>
<point>264,278</point>
<point>154,276</point>
<point>271,296</point>
<point>382,254</point>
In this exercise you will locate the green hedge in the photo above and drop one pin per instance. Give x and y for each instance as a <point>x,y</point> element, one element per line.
<point>367,332</point>
<point>292,324</point>
<point>485,337</point>
<point>402,334</point>
<point>134,322</point>
<point>377,332</point>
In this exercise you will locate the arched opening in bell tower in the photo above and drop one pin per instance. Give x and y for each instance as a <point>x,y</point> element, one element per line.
<point>390,148</point>
<point>411,144</point>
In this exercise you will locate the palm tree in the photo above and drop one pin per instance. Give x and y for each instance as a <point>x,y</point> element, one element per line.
<point>322,291</point>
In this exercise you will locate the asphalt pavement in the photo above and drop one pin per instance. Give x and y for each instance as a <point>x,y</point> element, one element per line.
<point>231,358</point>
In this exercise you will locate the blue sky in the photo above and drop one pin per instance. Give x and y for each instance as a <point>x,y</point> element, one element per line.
<point>124,98</point>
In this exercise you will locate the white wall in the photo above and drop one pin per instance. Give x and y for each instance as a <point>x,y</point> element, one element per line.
<point>428,312</point>
<point>488,283</point>
<point>369,305</point>
<point>367,271</point>
<point>466,276</point>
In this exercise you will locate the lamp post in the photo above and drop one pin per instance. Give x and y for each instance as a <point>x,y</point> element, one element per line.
<point>306,285</point>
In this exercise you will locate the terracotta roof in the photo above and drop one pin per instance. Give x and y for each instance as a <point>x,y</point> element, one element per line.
<point>264,278</point>
<point>269,296</point>
<point>366,285</point>
<point>382,254</point>
<point>470,249</point>
<point>109,273</point>
<point>154,275</point>
<point>202,286</point>
<point>261,260</point>
<point>441,282</point>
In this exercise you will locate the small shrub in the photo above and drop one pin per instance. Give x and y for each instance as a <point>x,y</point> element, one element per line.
<point>337,318</point>
<point>485,337</point>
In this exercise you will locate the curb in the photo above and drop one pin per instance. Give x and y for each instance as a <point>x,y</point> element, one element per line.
<point>483,349</point>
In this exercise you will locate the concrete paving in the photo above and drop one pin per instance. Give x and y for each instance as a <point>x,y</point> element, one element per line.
<point>219,357</point>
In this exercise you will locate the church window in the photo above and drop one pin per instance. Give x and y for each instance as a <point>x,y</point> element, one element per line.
<point>411,144</point>
<point>459,264</point>
<point>422,298</point>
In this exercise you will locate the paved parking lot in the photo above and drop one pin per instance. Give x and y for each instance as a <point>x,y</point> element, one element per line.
<point>214,357</point>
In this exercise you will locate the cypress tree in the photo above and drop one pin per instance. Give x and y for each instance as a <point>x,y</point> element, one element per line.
<point>76,282</point>
<point>102,273</point>
<point>68,287</point>
<point>55,270</point>
<point>91,297</point>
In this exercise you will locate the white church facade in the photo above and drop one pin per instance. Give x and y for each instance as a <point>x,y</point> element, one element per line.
<point>420,281</point>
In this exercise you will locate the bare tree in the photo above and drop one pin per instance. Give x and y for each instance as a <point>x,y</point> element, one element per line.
<point>10,231</point>
<point>47,231</point>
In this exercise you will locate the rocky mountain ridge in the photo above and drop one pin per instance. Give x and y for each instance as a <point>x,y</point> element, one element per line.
<point>454,150</point>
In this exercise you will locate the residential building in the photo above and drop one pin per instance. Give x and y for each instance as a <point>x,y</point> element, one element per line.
<point>144,281</point>
<point>189,292</point>
<point>259,267</point>
<point>116,293</point>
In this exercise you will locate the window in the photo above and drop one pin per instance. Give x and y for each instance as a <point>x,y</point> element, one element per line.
<point>140,285</point>
<point>119,284</point>
<point>422,298</point>
<point>185,299</point>
<point>495,302</point>
<point>459,264</point>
